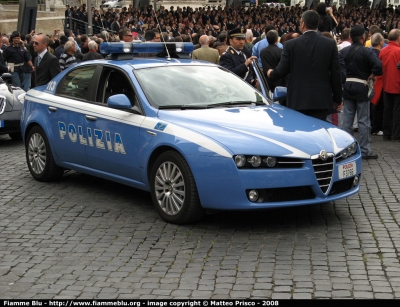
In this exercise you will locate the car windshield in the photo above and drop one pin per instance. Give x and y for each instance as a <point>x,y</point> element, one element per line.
<point>195,87</point>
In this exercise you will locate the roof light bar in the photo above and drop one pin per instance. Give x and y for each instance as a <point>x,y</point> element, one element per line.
<point>140,47</point>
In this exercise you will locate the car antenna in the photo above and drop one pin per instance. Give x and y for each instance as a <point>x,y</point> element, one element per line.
<point>162,36</point>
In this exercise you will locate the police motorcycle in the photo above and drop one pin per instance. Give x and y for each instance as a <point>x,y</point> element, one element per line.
<point>11,102</point>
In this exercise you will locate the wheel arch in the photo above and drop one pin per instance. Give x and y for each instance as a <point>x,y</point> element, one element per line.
<point>29,127</point>
<point>155,154</point>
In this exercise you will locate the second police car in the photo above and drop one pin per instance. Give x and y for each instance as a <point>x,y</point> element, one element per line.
<point>191,133</point>
<point>11,99</point>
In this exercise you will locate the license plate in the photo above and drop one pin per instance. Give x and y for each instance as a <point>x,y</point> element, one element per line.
<point>1,123</point>
<point>347,170</point>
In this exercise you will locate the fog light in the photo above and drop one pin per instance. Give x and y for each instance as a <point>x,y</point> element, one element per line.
<point>270,161</point>
<point>255,161</point>
<point>253,195</point>
<point>355,181</point>
<point>240,160</point>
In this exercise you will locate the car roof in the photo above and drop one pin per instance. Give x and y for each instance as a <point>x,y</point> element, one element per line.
<point>140,63</point>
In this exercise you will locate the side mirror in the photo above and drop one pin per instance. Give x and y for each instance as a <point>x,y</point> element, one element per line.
<point>280,93</point>
<point>6,77</point>
<point>119,101</point>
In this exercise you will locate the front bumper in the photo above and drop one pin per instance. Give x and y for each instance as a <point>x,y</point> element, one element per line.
<point>221,185</point>
<point>9,126</point>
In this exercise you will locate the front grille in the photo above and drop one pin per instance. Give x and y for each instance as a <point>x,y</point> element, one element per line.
<point>286,194</point>
<point>342,186</point>
<point>323,171</point>
<point>2,104</point>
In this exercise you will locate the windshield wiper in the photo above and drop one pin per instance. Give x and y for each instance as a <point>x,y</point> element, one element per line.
<point>232,103</point>
<point>209,106</point>
<point>182,107</point>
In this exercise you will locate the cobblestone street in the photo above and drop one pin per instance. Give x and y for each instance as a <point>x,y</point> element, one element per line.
<point>85,237</point>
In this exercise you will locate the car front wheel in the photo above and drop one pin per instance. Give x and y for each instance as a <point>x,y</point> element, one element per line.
<point>39,156</point>
<point>174,191</point>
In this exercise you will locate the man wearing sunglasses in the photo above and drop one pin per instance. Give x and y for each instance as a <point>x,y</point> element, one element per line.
<point>125,35</point>
<point>46,64</point>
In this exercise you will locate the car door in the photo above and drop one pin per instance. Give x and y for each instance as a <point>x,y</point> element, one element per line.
<point>68,116</point>
<point>114,132</point>
<point>262,80</point>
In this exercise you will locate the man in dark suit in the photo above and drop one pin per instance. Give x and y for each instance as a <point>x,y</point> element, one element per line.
<point>92,54</point>
<point>314,84</point>
<point>270,57</point>
<point>67,16</point>
<point>60,49</point>
<point>84,19</point>
<point>67,11</point>
<point>234,59</point>
<point>115,25</point>
<point>46,64</point>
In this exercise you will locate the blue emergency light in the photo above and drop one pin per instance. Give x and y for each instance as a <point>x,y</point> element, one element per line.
<point>114,48</point>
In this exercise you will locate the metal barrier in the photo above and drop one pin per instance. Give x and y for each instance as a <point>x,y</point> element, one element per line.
<point>81,27</point>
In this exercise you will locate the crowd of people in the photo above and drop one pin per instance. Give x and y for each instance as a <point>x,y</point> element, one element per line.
<point>213,20</point>
<point>327,79</point>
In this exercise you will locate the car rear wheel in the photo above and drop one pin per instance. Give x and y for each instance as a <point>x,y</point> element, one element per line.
<point>39,156</point>
<point>174,191</point>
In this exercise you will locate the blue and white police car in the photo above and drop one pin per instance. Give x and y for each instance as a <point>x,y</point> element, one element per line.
<point>192,133</point>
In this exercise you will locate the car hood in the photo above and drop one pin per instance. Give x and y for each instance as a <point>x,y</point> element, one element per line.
<point>262,130</point>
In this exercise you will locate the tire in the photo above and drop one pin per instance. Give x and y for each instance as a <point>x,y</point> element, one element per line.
<point>39,156</point>
<point>15,136</point>
<point>174,191</point>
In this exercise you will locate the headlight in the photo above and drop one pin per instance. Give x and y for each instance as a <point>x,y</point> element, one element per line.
<point>348,151</point>
<point>266,162</point>
<point>240,160</point>
<point>255,161</point>
<point>270,161</point>
<point>21,98</point>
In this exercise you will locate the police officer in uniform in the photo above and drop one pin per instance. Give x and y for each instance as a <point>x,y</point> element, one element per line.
<point>234,59</point>
<point>362,64</point>
<point>16,56</point>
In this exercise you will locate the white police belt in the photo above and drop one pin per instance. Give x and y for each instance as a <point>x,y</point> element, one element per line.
<point>16,65</point>
<point>357,80</point>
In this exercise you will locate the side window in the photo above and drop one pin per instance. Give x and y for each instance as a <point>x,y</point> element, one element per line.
<point>77,83</point>
<point>117,83</point>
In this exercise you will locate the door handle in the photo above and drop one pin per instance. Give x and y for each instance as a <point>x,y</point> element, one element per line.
<point>91,118</point>
<point>52,109</point>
